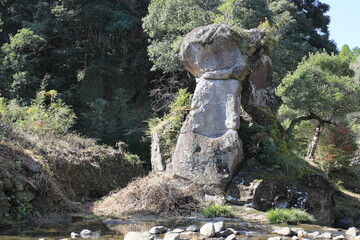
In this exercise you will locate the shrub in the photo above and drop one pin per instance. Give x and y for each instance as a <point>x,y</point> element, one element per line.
<point>46,114</point>
<point>218,211</point>
<point>168,127</point>
<point>290,216</point>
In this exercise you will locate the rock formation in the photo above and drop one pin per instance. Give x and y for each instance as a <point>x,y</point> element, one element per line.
<point>209,151</point>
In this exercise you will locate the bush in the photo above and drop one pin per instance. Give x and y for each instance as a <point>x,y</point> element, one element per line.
<point>168,127</point>
<point>46,114</point>
<point>218,211</point>
<point>290,216</point>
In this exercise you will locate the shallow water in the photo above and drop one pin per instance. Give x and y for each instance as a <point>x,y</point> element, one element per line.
<point>115,229</point>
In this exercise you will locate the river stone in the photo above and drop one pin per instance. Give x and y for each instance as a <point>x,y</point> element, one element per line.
<point>208,230</point>
<point>186,235</point>
<point>219,226</point>
<point>286,231</point>
<point>210,51</point>
<point>85,233</point>
<point>340,237</point>
<point>178,230</point>
<point>157,230</point>
<point>231,237</point>
<point>192,228</point>
<point>353,231</point>
<point>172,236</point>
<point>139,236</point>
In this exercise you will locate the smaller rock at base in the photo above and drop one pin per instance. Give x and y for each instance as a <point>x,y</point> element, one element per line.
<point>139,236</point>
<point>208,230</point>
<point>178,230</point>
<point>340,237</point>
<point>286,231</point>
<point>172,236</point>
<point>326,235</point>
<point>353,231</point>
<point>192,228</point>
<point>157,230</point>
<point>295,238</point>
<point>231,237</point>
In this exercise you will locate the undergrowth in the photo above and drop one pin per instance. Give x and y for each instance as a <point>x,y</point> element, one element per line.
<point>218,211</point>
<point>290,216</point>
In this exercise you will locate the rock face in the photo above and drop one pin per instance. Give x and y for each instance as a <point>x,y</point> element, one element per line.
<point>266,189</point>
<point>208,150</point>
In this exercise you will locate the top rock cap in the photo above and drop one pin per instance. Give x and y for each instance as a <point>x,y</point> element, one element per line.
<point>211,52</point>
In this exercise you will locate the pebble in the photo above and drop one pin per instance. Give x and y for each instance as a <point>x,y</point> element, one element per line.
<point>85,233</point>
<point>340,237</point>
<point>178,230</point>
<point>74,235</point>
<point>231,237</point>
<point>274,238</point>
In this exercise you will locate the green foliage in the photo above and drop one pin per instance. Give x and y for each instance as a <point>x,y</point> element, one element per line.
<point>291,216</point>
<point>21,64</point>
<point>53,118</point>
<point>167,22</point>
<point>321,85</point>
<point>168,127</point>
<point>218,211</point>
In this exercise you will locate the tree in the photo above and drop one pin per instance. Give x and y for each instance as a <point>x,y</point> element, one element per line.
<point>322,88</point>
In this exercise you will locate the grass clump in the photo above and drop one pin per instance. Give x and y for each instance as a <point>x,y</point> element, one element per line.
<point>290,216</point>
<point>218,211</point>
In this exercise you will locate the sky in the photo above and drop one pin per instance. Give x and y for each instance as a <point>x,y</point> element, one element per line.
<point>345,22</point>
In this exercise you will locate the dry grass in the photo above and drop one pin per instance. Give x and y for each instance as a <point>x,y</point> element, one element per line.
<point>155,193</point>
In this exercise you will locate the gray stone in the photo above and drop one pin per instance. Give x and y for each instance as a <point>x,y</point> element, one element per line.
<point>85,233</point>
<point>219,226</point>
<point>301,233</point>
<point>340,237</point>
<point>172,236</point>
<point>231,237</point>
<point>157,230</point>
<point>211,52</point>
<point>178,230</point>
<point>326,235</point>
<point>186,235</point>
<point>353,231</point>
<point>208,230</point>
<point>314,234</point>
<point>157,161</point>
<point>208,150</point>
<point>286,231</point>
<point>192,228</point>
<point>139,236</point>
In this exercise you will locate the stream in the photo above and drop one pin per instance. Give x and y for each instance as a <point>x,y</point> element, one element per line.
<point>113,229</point>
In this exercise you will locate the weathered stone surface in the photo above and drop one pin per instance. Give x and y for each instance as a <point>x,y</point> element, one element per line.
<point>212,53</point>
<point>266,189</point>
<point>262,86</point>
<point>208,230</point>
<point>157,161</point>
<point>208,161</point>
<point>138,236</point>
<point>215,108</point>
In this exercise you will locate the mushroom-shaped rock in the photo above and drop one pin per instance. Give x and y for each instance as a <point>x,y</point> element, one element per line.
<point>208,150</point>
<point>211,52</point>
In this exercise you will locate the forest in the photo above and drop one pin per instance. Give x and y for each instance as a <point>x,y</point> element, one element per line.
<point>104,74</point>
